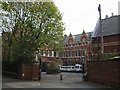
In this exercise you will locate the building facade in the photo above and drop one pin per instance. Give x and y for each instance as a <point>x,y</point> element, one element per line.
<point>77,49</point>
<point>111,37</point>
<point>49,55</point>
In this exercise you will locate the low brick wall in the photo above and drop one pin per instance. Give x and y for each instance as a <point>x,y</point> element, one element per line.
<point>105,72</point>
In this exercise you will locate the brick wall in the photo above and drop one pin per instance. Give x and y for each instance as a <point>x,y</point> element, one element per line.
<point>105,72</point>
<point>26,72</point>
<point>111,44</point>
<point>35,71</point>
<point>30,71</point>
<point>111,38</point>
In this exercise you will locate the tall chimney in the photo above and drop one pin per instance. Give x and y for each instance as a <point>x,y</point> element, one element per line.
<point>112,14</point>
<point>106,16</point>
<point>65,36</point>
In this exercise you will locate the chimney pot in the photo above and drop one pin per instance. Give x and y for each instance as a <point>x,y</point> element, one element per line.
<point>65,35</point>
<point>106,16</point>
<point>112,14</point>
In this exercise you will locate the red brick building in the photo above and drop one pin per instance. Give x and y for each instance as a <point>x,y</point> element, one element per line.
<point>77,49</point>
<point>111,37</point>
<point>48,55</point>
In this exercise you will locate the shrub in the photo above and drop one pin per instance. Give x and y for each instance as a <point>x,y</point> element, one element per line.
<point>10,66</point>
<point>116,57</point>
<point>52,68</point>
<point>107,56</point>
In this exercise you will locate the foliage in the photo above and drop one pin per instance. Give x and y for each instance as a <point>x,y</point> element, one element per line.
<point>29,26</point>
<point>52,68</point>
<point>10,66</point>
<point>106,56</point>
<point>116,57</point>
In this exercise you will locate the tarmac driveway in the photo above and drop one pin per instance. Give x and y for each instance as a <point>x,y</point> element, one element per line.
<point>70,80</point>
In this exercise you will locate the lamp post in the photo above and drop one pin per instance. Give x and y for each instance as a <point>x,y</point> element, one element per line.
<point>39,62</point>
<point>102,46</point>
<point>83,65</point>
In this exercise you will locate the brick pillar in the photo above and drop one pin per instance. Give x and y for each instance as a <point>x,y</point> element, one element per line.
<point>26,72</point>
<point>35,71</point>
<point>119,73</point>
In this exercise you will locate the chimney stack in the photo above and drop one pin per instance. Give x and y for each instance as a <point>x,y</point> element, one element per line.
<point>65,35</point>
<point>106,16</point>
<point>112,14</point>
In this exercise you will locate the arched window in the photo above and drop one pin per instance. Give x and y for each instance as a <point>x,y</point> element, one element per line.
<point>90,56</point>
<point>78,52</point>
<point>83,52</point>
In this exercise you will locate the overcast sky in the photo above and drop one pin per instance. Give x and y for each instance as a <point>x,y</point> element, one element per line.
<point>83,14</point>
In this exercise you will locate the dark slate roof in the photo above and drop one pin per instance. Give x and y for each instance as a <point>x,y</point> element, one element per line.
<point>65,39</point>
<point>109,27</point>
<point>77,37</point>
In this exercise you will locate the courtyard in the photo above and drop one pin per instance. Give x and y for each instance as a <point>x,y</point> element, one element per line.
<point>69,80</point>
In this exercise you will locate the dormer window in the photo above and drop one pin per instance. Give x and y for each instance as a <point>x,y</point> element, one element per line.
<point>83,40</point>
<point>70,41</point>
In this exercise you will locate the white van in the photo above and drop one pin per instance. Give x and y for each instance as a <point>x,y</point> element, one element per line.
<point>78,68</point>
<point>62,68</point>
<point>67,68</point>
<point>70,68</point>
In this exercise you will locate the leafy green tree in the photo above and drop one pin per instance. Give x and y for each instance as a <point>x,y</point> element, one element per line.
<point>30,26</point>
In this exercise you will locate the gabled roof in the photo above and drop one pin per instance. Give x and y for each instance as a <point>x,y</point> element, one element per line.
<point>76,37</point>
<point>109,27</point>
<point>83,32</point>
<point>70,35</point>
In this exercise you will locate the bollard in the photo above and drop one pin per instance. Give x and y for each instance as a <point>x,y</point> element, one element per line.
<point>23,76</point>
<point>40,75</point>
<point>61,77</point>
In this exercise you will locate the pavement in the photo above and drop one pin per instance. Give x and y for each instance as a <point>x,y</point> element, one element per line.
<point>69,80</point>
